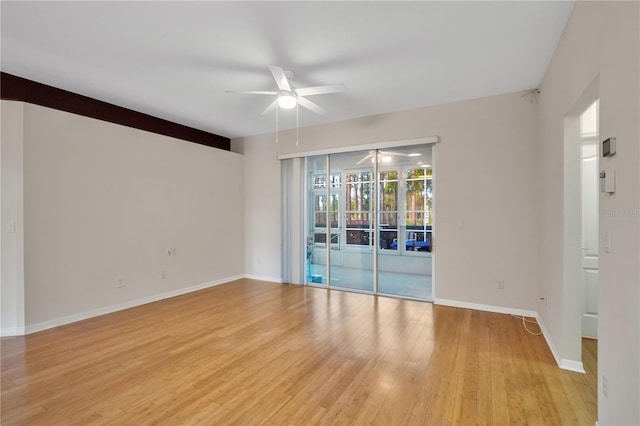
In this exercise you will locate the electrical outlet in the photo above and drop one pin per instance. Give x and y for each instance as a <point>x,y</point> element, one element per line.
<point>120,282</point>
<point>163,275</point>
<point>501,285</point>
<point>605,386</point>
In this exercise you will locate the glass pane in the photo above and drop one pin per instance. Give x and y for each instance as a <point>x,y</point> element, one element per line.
<point>358,237</point>
<point>321,237</point>
<point>335,211</point>
<point>388,205</point>
<point>417,241</point>
<point>320,211</point>
<point>316,250</point>
<point>415,195</point>
<point>319,181</point>
<point>388,240</point>
<point>358,220</point>
<point>351,267</point>
<point>415,219</point>
<point>388,219</point>
<point>404,261</point>
<point>388,192</point>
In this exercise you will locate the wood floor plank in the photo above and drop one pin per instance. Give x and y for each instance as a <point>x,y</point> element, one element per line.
<point>251,352</point>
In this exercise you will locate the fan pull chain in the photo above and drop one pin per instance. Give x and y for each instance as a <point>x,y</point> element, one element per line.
<point>297,124</point>
<point>277,109</point>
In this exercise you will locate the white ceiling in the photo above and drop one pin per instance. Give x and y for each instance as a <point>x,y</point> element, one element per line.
<point>175,60</point>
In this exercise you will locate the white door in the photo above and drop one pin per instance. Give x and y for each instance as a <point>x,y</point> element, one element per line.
<point>590,194</point>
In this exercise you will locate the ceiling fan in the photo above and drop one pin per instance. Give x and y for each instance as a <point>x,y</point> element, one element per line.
<point>288,96</point>
<point>385,156</point>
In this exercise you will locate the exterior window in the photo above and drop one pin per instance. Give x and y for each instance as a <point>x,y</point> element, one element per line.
<point>388,210</point>
<point>358,208</point>
<point>404,203</point>
<point>320,181</point>
<point>320,208</point>
<point>418,204</point>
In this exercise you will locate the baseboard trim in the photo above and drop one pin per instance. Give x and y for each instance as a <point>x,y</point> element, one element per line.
<point>11,331</point>
<point>45,325</point>
<point>481,307</point>
<point>571,365</point>
<point>263,278</point>
<point>565,364</point>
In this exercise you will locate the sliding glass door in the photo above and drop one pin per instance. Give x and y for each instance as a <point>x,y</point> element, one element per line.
<point>405,223</point>
<point>369,221</point>
<point>352,260</point>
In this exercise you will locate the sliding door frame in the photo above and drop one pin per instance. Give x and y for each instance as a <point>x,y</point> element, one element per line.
<point>375,217</point>
<point>431,140</point>
<point>428,140</point>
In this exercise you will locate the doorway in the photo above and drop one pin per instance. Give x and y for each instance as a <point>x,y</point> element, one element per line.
<point>370,221</point>
<point>589,174</point>
<point>580,225</point>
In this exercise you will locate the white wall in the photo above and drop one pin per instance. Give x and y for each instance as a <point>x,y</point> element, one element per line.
<point>601,40</point>
<point>12,284</point>
<point>485,177</point>
<point>262,228</point>
<point>103,201</point>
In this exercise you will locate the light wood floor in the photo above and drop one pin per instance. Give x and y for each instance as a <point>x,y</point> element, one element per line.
<point>251,352</point>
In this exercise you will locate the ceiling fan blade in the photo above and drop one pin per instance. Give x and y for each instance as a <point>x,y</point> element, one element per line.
<point>251,92</point>
<point>321,90</point>
<point>364,159</point>
<point>270,108</point>
<point>280,77</point>
<point>311,106</point>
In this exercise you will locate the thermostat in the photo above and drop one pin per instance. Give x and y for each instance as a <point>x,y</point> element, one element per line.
<point>609,147</point>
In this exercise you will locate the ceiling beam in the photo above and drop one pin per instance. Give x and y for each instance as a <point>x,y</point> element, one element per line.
<point>16,88</point>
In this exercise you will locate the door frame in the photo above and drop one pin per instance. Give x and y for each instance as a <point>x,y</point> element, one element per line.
<point>572,231</point>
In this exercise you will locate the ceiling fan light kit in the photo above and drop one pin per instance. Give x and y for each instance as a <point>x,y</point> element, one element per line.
<point>286,100</point>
